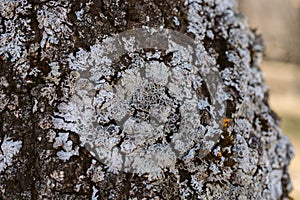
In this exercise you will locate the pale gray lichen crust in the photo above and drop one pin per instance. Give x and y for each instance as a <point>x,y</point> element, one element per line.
<point>250,159</point>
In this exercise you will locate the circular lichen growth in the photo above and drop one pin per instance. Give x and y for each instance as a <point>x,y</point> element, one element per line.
<point>143,114</point>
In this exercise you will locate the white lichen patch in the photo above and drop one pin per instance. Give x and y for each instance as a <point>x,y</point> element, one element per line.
<point>66,145</point>
<point>95,196</point>
<point>148,116</point>
<point>176,21</point>
<point>12,42</point>
<point>8,150</point>
<point>96,172</point>
<point>52,19</point>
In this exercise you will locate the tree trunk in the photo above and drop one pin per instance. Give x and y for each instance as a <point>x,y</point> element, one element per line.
<point>135,100</point>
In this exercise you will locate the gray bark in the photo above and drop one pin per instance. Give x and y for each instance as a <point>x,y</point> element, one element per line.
<point>52,65</point>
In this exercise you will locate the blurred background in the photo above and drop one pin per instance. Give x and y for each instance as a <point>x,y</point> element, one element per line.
<point>279,23</point>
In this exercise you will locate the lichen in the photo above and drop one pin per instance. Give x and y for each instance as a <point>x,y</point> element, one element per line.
<point>67,147</point>
<point>8,149</point>
<point>90,109</point>
<point>150,104</point>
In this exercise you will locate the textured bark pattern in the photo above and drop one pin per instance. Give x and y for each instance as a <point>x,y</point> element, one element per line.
<point>40,160</point>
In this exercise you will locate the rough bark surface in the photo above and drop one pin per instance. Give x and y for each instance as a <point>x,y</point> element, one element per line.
<point>42,156</point>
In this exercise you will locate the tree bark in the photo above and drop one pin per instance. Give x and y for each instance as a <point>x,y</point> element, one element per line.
<point>84,118</point>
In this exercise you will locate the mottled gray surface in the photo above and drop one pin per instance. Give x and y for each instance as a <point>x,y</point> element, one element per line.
<point>42,156</point>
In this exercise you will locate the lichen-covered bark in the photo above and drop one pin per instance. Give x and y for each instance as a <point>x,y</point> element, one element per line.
<point>42,156</point>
